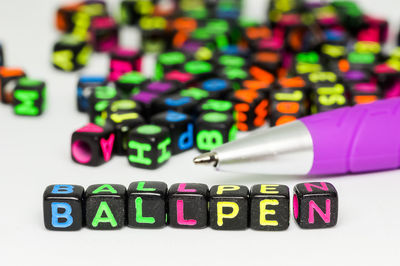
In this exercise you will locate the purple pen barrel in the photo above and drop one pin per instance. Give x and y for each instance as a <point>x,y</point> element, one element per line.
<point>362,138</point>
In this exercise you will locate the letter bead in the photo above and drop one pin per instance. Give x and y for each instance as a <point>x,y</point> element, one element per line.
<point>229,207</point>
<point>71,53</point>
<point>105,206</point>
<point>29,97</point>
<point>147,204</point>
<point>103,34</point>
<point>180,127</point>
<point>269,207</point>
<point>62,207</point>
<point>99,103</point>
<point>214,129</point>
<point>122,122</point>
<point>315,205</point>
<point>251,109</point>
<point>92,145</point>
<point>86,85</point>
<point>149,146</point>
<point>188,205</point>
<point>8,81</point>
<point>175,102</point>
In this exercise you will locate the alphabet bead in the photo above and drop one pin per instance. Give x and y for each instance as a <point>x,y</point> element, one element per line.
<point>229,207</point>
<point>161,87</point>
<point>147,100</point>
<point>86,85</point>
<point>181,129</point>
<point>147,204</point>
<point>8,81</point>
<point>214,129</point>
<point>215,105</point>
<point>103,34</point>
<point>105,206</point>
<point>70,53</point>
<point>92,145</point>
<point>175,102</point>
<point>269,207</point>
<point>199,69</point>
<point>186,79</point>
<point>29,97</point>
<point>188,205</point>
<point>149,146</point>
<point>287,105</point>
<point>168,61</point>
<point>62,207</point>
<point>65,15</point>
<point>122,123</point>
<point>155,37</point>
<point>132,11</point>
<point>99,102</point>
<point>217,88</point>
<point>315,205</point>
<point>251,108</point>
<point>123,61</point>
<point>129,83</point>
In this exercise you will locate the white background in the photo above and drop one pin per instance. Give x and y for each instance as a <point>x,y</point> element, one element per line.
<point>34,152</point>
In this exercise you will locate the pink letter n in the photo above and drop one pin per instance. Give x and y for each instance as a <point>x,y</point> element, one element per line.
<point>325,216</point>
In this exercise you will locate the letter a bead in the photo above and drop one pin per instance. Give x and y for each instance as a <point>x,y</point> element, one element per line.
<point>105,206</point>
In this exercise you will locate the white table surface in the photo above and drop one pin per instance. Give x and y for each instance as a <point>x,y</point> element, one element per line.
<point>34,152</point>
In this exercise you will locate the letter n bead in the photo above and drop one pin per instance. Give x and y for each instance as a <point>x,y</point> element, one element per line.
<point>188,205</point>
<point>269,207</point>
<point>62,207</point>
<point>105,206</point>
<point>315,205</point>
<point>147,204</point>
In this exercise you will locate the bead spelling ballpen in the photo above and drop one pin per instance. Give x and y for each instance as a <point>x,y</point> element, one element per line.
<point>363,138</point>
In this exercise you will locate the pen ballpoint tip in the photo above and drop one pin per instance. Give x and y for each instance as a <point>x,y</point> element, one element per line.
<point>206,158</point>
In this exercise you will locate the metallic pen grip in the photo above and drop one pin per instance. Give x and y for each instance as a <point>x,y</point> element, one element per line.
<point>287,149</point>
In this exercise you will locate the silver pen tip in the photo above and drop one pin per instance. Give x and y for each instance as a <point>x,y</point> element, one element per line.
<point>207,158</point>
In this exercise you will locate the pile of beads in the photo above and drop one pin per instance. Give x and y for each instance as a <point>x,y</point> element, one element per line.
<point>217,73</point>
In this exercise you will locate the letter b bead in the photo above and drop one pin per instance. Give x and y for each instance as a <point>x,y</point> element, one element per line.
<point>62,207</point>
<point>269,207</point>
<point>214,129</point>
<point>315,205</point>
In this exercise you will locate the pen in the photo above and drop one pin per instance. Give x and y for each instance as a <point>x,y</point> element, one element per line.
<point>363,138</point>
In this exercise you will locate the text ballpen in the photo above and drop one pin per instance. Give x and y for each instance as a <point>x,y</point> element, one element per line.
<point>363,138</point>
